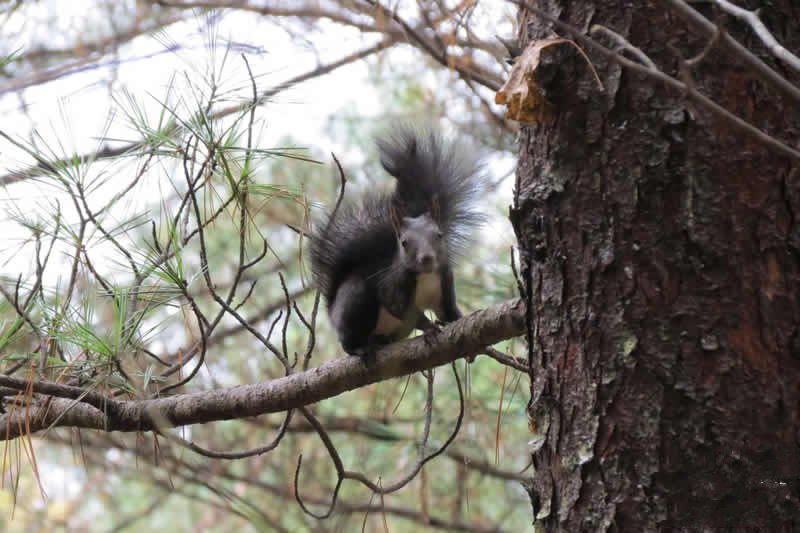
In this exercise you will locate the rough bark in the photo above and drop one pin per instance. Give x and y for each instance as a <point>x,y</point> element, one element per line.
<point>661,262</point>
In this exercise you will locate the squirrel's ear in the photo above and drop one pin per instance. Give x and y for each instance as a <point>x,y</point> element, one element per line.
<point>436,211</point>
<point>397,217</point>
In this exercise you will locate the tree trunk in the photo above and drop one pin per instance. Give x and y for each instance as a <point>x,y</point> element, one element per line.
<point>660,259</point>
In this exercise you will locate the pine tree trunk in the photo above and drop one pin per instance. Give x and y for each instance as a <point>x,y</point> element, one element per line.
<point>661,259</point>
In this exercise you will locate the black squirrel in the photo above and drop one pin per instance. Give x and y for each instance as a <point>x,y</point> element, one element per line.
<point>381,262</point>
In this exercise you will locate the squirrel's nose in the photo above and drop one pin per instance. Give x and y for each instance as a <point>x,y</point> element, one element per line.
<point>426,262</point>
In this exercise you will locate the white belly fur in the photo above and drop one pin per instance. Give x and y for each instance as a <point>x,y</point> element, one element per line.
<point>428,294</point>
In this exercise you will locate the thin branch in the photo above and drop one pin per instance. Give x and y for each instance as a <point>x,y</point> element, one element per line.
<point>231,455</point>
<point>484,78</point>
<point>422,458</point>
<point>378,488</point>
<point>752,19</point>
<point>109,152</point>
<point>623,44</point>
<point>312,10</point>
<point>708,29</point>
<point>508,360</point>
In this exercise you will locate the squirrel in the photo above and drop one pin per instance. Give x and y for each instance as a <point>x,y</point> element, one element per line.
<point>381,262</point>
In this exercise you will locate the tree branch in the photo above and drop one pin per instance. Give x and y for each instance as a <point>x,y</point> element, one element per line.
<point>465,337</point>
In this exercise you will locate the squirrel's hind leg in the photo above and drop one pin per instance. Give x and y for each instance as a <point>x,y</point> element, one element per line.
<point>354,312</point>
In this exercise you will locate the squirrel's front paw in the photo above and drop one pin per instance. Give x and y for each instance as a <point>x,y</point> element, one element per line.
<point>365,353</point>
<point>429,335</point>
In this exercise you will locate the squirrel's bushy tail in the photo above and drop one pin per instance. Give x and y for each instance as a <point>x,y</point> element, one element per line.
<point>426,165</point>
<point>356,238</point>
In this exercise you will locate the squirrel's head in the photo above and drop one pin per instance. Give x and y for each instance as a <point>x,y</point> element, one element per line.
<point>421,242</point>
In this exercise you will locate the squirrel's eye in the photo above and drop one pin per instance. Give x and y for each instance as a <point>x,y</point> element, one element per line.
<point>404,242</point>
<point>440,235</point>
